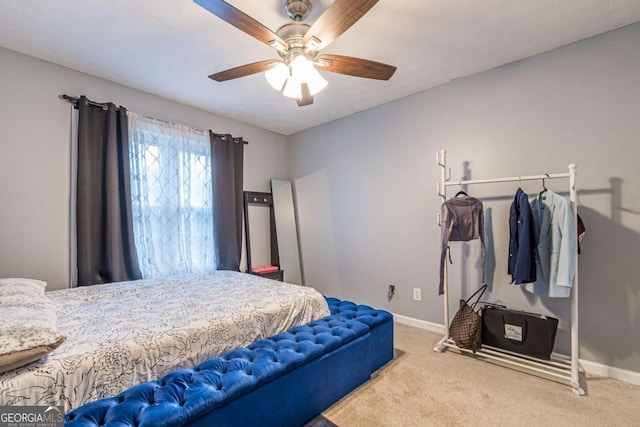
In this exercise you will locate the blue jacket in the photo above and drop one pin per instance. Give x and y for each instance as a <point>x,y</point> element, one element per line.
<point>555,229</point>
<point>522,242</point>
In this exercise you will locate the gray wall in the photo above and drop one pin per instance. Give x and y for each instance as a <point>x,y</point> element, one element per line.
<point>34,157</point>
<point>365,187</point>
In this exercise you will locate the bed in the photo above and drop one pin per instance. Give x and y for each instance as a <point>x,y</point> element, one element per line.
<point>122,334</point>
<point>282,381</point>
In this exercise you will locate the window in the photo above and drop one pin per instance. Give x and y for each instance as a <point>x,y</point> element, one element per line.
<point>171,197</point>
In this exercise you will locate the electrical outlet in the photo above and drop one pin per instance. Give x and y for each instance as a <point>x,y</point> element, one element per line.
<point>417,294</point>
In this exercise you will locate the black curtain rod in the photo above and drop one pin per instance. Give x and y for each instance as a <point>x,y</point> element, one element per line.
<point>74,101</point>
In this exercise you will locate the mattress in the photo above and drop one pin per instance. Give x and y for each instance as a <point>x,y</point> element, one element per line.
<point>121,334</point>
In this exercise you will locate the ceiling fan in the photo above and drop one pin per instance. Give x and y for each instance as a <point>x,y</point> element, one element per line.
<point>299,45</point>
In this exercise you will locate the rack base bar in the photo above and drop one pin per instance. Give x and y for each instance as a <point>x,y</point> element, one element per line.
<point>553,363</point>
<point>556,368</point>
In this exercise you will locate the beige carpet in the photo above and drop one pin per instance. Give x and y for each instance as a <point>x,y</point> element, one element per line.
<point>423,388</point>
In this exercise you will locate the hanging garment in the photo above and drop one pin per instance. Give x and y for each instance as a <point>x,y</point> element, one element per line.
<point>581,232</point>
<point>522,243</point>
<point>556,238</point>
<point>461,220</point>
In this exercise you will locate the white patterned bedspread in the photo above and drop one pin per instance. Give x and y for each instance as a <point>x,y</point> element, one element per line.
<point>121,334</point>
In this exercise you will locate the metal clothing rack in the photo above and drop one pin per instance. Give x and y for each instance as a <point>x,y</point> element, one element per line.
<point>566,368</point>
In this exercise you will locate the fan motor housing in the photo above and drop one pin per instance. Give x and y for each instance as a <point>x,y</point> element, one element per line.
<point>293,33</point>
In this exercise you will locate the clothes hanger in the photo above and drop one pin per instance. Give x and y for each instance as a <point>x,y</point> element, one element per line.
<point>461,193</point>
<point>544,187</point>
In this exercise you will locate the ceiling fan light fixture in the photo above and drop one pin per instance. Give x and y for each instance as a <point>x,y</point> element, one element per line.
<point>302,68</point>
<point>315,81</point>
<point>293,89</point>
<point>277,76</point>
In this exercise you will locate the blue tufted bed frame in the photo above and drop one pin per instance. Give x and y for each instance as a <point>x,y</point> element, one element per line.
<point>284,380</point>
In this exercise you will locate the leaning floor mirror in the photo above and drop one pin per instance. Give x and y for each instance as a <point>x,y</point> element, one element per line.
<point>286,230</point>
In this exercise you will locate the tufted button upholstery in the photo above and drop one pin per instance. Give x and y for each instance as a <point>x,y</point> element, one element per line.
<point>362,313</point>
<point>187,394</point>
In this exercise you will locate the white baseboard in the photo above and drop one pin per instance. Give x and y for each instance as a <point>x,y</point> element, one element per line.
<point>599,369</point>
<point>594,368</point>
<point>417,323</point>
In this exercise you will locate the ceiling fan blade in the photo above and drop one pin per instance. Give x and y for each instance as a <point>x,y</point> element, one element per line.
<point>355,67</point>
<point>337,19</point>
<point>244,22</point>
<point>243,70</point>
<point>306,98</point>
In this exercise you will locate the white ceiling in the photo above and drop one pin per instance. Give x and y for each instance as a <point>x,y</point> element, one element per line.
<point>169,47</point>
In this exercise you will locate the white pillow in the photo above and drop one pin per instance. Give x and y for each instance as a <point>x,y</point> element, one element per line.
<point>27,323</point>
<point>21,290</point>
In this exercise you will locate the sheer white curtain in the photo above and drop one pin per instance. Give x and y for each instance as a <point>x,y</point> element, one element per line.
<point>171,197</point>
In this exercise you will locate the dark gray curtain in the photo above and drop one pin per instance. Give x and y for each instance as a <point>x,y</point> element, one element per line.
<point>106,249</point>
<point>226,169</point>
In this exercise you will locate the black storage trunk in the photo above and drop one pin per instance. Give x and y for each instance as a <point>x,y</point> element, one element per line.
<point>517,331</point>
